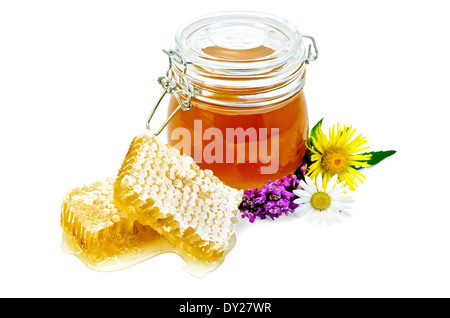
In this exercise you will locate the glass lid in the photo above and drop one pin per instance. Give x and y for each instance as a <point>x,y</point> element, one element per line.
<point>239,41</point>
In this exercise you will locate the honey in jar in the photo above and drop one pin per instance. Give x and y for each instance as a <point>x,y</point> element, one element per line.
<point>237,104</point>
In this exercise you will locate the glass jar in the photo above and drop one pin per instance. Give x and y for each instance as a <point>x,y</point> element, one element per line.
<point>238,79</point>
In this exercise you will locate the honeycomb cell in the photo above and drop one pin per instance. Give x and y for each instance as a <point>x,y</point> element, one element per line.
<point>190,207</point>
<point>96,227</point>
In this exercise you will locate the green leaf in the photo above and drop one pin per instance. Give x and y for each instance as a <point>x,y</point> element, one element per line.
<point>377,156</point>
<point>314,131</point>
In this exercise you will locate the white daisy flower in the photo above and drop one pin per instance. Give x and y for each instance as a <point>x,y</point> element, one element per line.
<point>320,204</point>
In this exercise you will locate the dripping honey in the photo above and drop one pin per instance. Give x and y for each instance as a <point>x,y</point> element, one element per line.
<point>137,250</point>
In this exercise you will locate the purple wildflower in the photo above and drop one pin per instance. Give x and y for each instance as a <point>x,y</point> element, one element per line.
<point>272,200</point>
<point>303,170</point>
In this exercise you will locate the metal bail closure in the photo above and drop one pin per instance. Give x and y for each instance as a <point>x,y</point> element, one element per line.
<point>311,56</point>
<point>171,87</point>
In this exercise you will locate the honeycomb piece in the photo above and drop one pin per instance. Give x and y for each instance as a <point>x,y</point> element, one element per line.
<point>189,206</point>
<point>96,227</point>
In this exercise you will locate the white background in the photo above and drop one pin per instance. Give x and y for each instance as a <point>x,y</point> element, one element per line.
<point>78,79</point>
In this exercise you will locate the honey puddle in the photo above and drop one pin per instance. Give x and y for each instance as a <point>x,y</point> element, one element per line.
<point>142,252</point>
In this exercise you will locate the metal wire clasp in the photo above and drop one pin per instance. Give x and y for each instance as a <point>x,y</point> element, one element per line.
<point>312,56</point>
<point>171,87</point>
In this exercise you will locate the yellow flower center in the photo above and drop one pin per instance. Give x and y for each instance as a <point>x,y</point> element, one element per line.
<point>334,161</point>
<point>320,201</point>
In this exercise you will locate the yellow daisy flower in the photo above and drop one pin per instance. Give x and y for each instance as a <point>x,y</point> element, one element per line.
<point>338,154</point>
